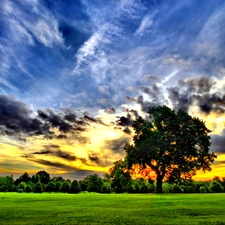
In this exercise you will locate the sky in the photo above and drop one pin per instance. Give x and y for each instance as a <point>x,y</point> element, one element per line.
<point>74,75</point>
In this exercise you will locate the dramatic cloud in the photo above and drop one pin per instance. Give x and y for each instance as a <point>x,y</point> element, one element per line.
<point>218,143</point>
<point>199,91</point>
<point>117,144</point>
<point>17,119</point>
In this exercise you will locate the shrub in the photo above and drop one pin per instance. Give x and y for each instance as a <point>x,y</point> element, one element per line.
<point>177,189</point>
<point>38,188</point>
<point>95,184</point>
<point>202,189</point>
<point>144,187</point>
<point>188,189</point>
<point>20,190</point>
<point>216,187</point>
<point>130,188</point>
<point>75,187</point>
<point>28,189</point>
<point>58,185</point>
<point>106,187</point>
<point>65,187</point>
<point>22,186</point>
<point>51,186</point>
<point>151,187</point>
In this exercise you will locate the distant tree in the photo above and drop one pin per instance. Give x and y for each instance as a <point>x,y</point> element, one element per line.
<point>58,184</point>
<point>202,189</point>
<point>54,179</point>
<point>28,189</point>
<point>120,177</point>
<point>51,187</point>
<point>84,184</point>
<point>36,178</point>
<point>95,184</point>
<point>106,187</point>
<point>38,188</point>
<point>223,183</point>
<point>65,187</point>
<point>130,187</point>
<point>75,187</point>
<point>170,143</point>
<point>107,177</point>
<point>7,183</point>
<point>22,186</point>
<point>24,178</point>
<point>177,189</point>
<point>145,186</point>
<point>31,184</point>
<point>44,177</point>
<point>216,187</point>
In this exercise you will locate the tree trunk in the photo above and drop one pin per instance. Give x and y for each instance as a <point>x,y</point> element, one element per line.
<point>159,184</point>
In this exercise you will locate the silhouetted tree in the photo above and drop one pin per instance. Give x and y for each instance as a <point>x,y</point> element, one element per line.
<point>216,187</point>
<point>44,177</point>
<point>65,187</point>
<point>28,189</point>
<point>51,187</point>
<point>7,183</point>
<point>24,178</point>
<point>83,184</point>
<point>54,179</point>
<point>36,178</point>
<point>120,177</point>
<point>95,184</point>
<point>22,186</point>
<point>170,143</point>
<point>38,188</point>
<point>75,187</point>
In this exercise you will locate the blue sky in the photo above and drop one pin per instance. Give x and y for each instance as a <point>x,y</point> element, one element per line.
<point>101,60</point>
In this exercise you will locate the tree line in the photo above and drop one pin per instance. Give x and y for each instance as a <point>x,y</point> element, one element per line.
<point>117,181</point>
<point>172,144</point>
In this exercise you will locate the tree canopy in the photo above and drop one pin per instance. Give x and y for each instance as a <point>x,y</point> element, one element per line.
<point>171,143</point>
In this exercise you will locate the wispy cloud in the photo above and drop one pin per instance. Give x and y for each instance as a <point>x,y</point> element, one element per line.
<point>145,25</point>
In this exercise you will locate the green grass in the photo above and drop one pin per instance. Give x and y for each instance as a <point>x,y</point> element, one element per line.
<point>118,209</point>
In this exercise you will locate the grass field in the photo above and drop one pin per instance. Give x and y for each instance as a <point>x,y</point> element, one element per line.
<point>93,208</point>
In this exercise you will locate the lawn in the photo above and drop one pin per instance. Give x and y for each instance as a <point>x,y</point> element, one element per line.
<point>22,208</point>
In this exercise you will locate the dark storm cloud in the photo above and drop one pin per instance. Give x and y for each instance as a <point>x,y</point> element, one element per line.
<point>70,117</point>
<point>54,164</point>
<point>55,120</point>
<point>154,94</point>
<point>179,100</point>
<point>125,121</point>
<point>197,85</point>
<point>94,158</point>
<point>17,119</point>
<point>42,152</point>
<point>198,91</point>
<point>65,155</point>
<point>56,151</point>
<point>127,130</point>
<point>218,143</point>
<point>153,91</point>
<point>117,144</point>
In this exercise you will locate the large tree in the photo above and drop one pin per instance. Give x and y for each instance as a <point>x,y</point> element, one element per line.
<point>171,143</point>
